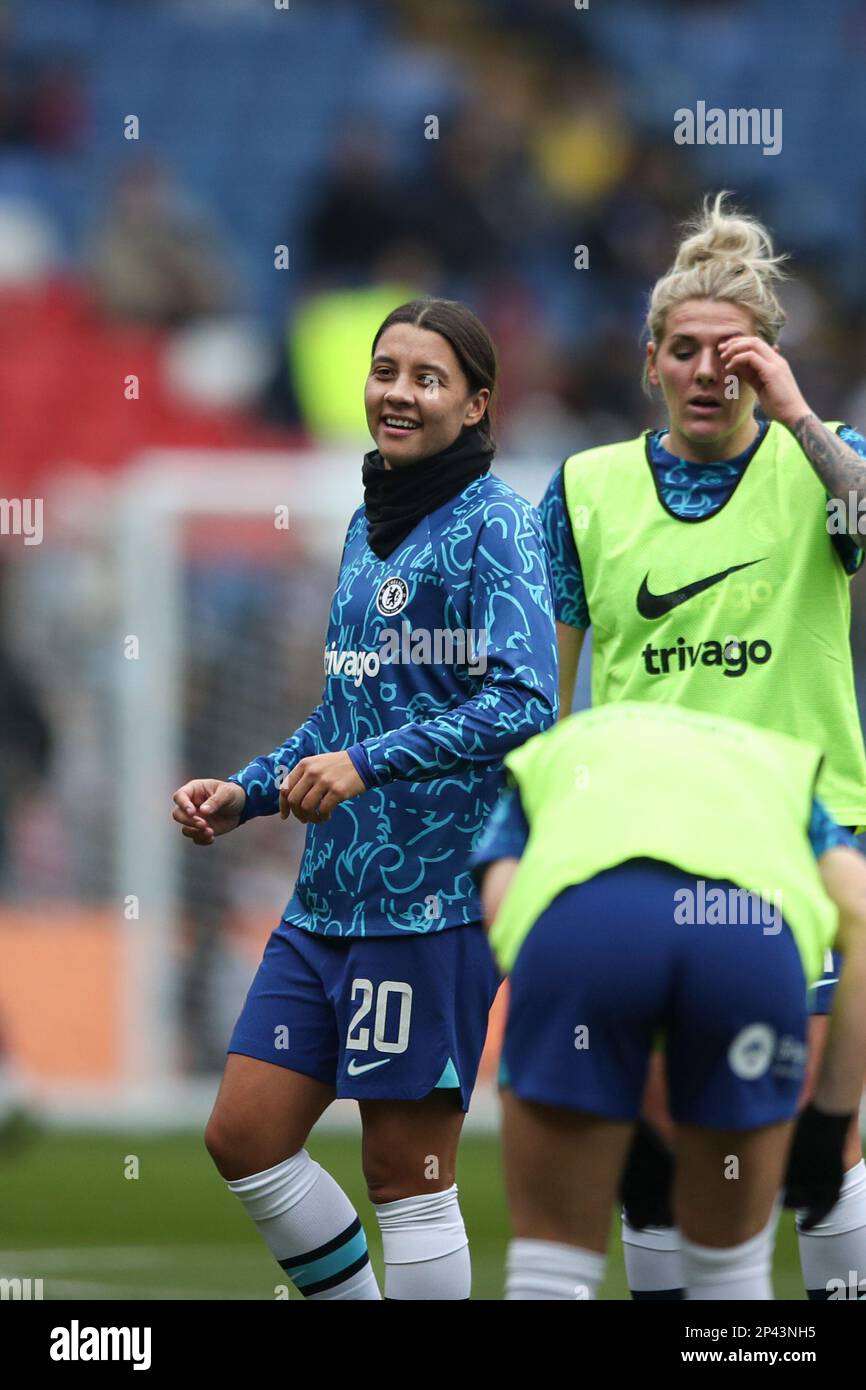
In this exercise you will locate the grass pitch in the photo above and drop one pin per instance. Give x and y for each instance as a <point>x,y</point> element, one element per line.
<point>70,1216</point>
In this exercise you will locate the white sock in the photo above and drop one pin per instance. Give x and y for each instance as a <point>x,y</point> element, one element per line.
<point>426,1248</point>
<point>835,1249</point>
<point>738,1272</point>
<point>653,1265</point>
<point>311,1228</point>
<point>547,1270</point>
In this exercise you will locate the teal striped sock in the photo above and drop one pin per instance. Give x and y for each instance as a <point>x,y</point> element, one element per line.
<point>331,1264</point>
<point>311,1229</point>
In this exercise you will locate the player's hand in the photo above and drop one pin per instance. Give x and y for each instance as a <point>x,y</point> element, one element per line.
<point>645,1185</point>
<point>765,369</point>
<point>207,808</point>
<point>815,1165</point>
<point>316,785</point>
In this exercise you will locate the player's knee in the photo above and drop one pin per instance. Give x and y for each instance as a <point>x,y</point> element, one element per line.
<point>390,1177</point>
<point>395,1188</point>
<point>228,1144</point>
<point>385,1180</point>
<point>217,1142</point>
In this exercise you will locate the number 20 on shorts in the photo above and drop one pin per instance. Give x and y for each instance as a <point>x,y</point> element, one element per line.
<point>357,1037</point>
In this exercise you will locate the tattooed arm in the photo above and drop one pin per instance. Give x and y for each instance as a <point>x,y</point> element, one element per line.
<point>840,468</point>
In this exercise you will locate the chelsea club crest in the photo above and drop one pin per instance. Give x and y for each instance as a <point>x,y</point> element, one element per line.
<point>392,596</point>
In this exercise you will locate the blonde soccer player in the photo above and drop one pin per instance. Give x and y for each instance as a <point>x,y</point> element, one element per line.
<point>712,559</point>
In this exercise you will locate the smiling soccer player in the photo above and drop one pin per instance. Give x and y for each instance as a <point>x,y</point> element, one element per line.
<point>701,556</point>
<point>377,983</point>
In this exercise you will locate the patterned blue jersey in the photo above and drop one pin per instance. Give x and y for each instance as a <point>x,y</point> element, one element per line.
<point>690,490</point>
<point>439,660</point>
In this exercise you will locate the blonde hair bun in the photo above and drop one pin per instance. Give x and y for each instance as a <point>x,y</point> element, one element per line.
<point>724,254</point>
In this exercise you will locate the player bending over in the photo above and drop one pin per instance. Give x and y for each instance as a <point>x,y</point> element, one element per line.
<point>695,818</point>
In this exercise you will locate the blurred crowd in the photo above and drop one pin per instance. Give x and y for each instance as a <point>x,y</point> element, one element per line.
<point>474,150</point>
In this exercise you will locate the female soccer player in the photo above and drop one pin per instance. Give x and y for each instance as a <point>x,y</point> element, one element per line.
<point>440,657</point>
<point>714,575</point>
<point>711,825</point>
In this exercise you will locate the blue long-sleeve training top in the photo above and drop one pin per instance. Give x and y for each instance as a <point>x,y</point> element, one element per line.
<point>438,660</point>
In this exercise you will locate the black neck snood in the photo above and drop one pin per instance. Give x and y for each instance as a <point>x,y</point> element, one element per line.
<point>397,498</point>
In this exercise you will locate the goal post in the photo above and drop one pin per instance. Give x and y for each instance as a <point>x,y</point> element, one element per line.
<point>159,496</point>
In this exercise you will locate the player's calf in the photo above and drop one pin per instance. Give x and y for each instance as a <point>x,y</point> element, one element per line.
<point>260,1122</point>
<point>409,1158</point>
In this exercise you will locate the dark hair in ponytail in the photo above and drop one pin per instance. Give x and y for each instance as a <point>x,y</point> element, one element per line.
<point>472,344</point>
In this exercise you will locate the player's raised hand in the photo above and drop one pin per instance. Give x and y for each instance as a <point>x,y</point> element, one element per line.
<point>207,807</point>
<point>316,785</point>
<point>770,376</point>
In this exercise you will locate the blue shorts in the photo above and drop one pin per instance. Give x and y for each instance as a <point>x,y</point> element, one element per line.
<point>378,1017</point>
<point>596,982</point>
<point>822,992</point>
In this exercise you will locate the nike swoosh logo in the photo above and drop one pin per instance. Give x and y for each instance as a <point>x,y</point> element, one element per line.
<point>657,605</point>
<point>354,1070</point>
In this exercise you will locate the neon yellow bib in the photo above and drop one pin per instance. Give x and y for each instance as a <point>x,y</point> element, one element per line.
<point>747,613</point>
<point>329,355</point>
<point>715,797</point>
